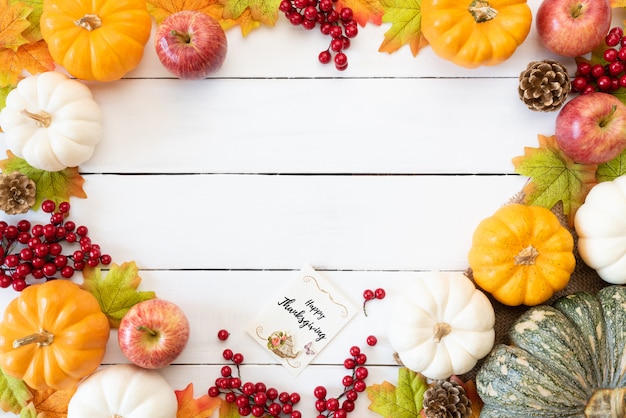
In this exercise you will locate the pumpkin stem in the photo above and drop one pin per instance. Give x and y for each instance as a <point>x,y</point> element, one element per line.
<point>440,330</point>
<point>527,256</point>
<point>607,403</point>
<point>41,338</point>
<point>146,329</point>
<point>42,118</point>
<point>482,11</point>
<point>89,22</point>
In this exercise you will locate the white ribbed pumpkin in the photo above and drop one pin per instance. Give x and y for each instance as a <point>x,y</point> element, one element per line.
<point>123,390</point>
<point>601,227</point>
<point>51,121</point>
<point>442,325</point>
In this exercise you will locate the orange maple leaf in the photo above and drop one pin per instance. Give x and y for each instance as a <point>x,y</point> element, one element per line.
<point>52,403</point>
<point>190,407</point>
<point>13,21</point>
<point>364,10</point>
<point>33,58</point>
<point>618,3</point>
<point>405,17</point>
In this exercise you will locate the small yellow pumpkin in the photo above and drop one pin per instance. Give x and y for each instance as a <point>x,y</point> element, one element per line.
<point>96,40</point>
<point>522,255</point>
<point>471,33</point>
<point>53,335</point>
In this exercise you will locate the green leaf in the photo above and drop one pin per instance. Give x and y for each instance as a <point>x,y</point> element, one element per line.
<point>4,92</point>
<point>33,32</point>
<point>612,169</point>
<point>554,177</point>
<point>405,17</point>
<point>30,411</point>
<point>14,394</point>
<point>117,291</point>
<point>229,410</point>
<point>403,401</point>
<point>57,186</point>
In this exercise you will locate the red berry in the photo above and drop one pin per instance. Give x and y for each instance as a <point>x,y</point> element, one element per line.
<point>214,392</point>
<point>616,68</point>
<point>355,351</point>
<point>604,83</point>
<point>361,373</point>
<point>324,57</point>
<point>332,404</point>
<point>346,14</point>
<point>610,55</point>
<point>597,71</point>
<point>380,293</point>
<point>372,340</point>
<point>579,83</point>
<point>222,335</point>
<point>319,392</point>
<point>48,206</point>
<point>64,207</point>
<point>294,398</point>
<point>227,354</point>
<point>238,358</point>
<point>360,385</point>
<point>226,371</point>
<point>368,294</point>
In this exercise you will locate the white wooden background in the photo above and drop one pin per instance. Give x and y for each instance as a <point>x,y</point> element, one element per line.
<point>221,189</point>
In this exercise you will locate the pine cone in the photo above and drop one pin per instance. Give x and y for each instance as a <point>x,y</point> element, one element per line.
<point>544,85</point>
<point>17,193</point>
<point>446,399</point>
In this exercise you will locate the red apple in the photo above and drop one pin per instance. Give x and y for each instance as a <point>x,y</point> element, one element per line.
<point>191,44</point>
<point>591,128</point>
<point>153,333</point>
<point>572,28</point>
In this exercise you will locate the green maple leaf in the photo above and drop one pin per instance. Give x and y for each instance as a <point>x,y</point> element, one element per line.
<point>612,169</point>
<point>554,177</point>
<point>117,291</point>
<point>405,17</point>
<point>229,410</point>
<point>14,394</point>
<point>403,401</point>
<point>264,11</point>
<point>57,186</point>
<point>4,92</point>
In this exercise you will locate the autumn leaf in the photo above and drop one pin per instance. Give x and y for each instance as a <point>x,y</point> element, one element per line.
<point>33,32</point>
<point>229,410</point>
<point>161,9</point>
<point>263,11</point>
<point>14,394</point>
<point>364,10</point>
<point>403,401</point>
<point>13,21</point>
<point>33,58</point>
<point>190,407</point>
<point>612,169</point>
<point>618,3</point>
<point>4,92</point>
<point>49,403</point>
<point>57,186</point>
<point>554,177</point>
<point>405,17</point>
<point>117,291</point>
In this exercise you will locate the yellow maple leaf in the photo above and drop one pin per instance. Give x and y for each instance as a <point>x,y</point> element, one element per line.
<point>190,407</point>
<point>364,10</point>
<point>51,403</point>
<point>405,17</point>
<point>263,11</point>
<point>618,3</point>
<point>13,21</point>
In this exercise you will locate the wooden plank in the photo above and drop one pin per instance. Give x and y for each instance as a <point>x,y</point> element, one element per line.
<point>314,126</point>
<point>283,222</point>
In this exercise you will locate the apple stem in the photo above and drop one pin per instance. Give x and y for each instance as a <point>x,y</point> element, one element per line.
<point>605,120</point>
<point>577,10</point>
<point>182,36</point>
<point>146,329</point>
<point>481,11</point>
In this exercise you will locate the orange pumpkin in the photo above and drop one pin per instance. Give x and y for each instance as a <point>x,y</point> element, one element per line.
<point>52,335</point>
<point>96,40</point>
<point>522,255</point>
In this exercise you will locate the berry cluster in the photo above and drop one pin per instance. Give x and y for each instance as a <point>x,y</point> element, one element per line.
<point>606,77</point>
<point>369,294</point>
<point>254,399</point>
<point>353,383</point>
<point>339,25</point>
<point>36,250</point>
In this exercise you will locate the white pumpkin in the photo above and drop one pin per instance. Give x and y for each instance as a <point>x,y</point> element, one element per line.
<point>442,325</point>
<point>600,223</point>
<point>123,390</point>
<point>51,121</point>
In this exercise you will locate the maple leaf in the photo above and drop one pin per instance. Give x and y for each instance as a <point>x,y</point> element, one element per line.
<point>618,3</point>
<point>612,169</point>
<point>405,17</point>
<point>364,10</point>
<point>57,186</point>
<point>49,403</point>
<point>33,32</point>
<point>4,92</point>
<point>190,407</point>
<point>13,21</point>
<point>117,291</point>
<point>161,9</point>
<point>554,177</point>
<point>402,401</point>
<point>229,410</point>
<point>14,394</point>
<point>33,58</point>
<point>263,11</point>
